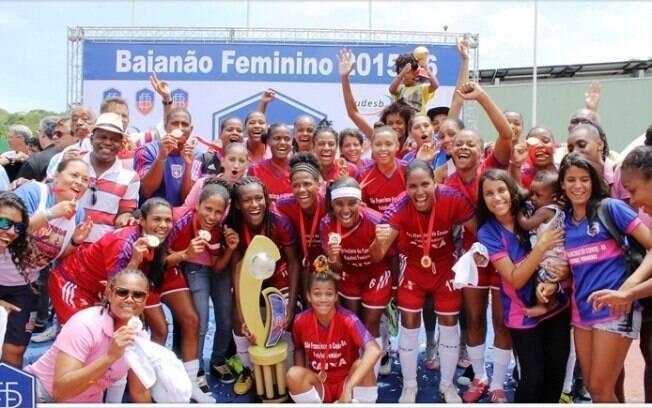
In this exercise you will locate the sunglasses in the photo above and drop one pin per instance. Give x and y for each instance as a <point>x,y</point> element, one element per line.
<point>6,224</point>
<point>136,295</point>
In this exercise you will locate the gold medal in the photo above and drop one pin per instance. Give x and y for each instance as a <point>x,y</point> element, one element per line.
<point>334,238</point>
<point>426,262</point>
<point>322,376</point>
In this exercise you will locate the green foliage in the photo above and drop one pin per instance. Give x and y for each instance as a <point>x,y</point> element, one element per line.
<point>31,119</point>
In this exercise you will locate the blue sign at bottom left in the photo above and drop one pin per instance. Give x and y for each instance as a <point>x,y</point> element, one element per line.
<point>16,388</point>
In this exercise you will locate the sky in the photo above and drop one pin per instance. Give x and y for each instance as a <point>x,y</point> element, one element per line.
<point>33,33</point>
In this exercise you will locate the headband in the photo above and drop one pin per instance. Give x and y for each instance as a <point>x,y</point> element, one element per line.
<point>346,192</point>
<point>309,168</point>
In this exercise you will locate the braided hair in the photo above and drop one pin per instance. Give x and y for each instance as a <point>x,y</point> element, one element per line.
<point>236,217</point>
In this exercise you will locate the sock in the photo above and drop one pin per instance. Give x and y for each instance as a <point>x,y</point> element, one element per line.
<point>476,355</point>
<point>384,334</point>
<point>408,346</point>
<point>379,341</point>
<point>365,395</point>
<point>309,397</point>
<point>570,368</point>
<point>500,359</point>
<point>116,391</point>
<point>449,352</point>
<point>242,349</point>
<point>198,395</point>
<point>287,337</point>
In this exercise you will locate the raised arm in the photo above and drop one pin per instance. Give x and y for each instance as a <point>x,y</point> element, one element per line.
<point>592,96</point>
<point>346,61</point>
<point>503,147</point>
<point>163,89</point>
<point>267,96</point>
<point>462,78</point>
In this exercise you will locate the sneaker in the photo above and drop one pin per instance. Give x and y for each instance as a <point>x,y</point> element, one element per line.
<point>46,335</point>
<point>409,394</point>
<point>201,381</point>
<point>498,396</point>
<point>477,388</point>
<point>223,373</point>
<point>244,382</point>
<point>432,357</point>
<point>385,365</point>
<point>581,392</point>
<point>450,393</point>
<point>566,398</point>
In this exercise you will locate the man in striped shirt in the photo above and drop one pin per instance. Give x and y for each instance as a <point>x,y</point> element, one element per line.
<point>112,194</point>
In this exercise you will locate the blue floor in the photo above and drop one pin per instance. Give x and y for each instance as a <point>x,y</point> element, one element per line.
<point>389,386</point>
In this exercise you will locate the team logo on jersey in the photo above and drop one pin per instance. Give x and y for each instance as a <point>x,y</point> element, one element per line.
<point>111,93</point>
<point>176,170</point>
<point>179,98</point>
<point>145,101</point>
<point>593,229</point>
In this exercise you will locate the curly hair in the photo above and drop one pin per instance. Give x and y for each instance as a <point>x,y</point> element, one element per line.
<point>21,250</point>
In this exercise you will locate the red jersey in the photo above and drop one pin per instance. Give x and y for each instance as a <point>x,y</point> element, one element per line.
<point>334,172</point>
<point>275,177</point>
<point>347,338</point>
<point>184,230</point>
<point>355,241</point>
<point>288,206</point>
<point>450,208</point>
<point>378,190</point>
<point>91,266</point>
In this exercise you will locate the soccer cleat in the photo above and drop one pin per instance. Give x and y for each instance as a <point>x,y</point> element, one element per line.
<point>223,373</point>
<point>244,382</point>
<point>498,396</point>
<point>450,393</point>
<point>476,390</point>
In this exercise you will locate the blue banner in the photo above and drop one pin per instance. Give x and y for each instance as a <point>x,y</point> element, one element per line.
<point>215,61</point>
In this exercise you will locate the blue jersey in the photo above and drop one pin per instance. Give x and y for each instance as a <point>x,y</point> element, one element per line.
<point>596,260</point>
<point>502,243</point>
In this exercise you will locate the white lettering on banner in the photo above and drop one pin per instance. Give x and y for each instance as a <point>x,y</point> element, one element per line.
<point>188,64</point>
<point>275,64</point>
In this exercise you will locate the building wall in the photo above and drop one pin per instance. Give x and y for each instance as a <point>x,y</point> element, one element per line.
<point>625,110</point>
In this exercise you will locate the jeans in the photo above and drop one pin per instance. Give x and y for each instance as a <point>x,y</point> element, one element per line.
<point>541,353</point>
<point>205,284</point>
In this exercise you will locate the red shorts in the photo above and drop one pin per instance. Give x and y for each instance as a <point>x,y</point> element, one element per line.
<point>488,277</point>
<point>332,391</point>
<point>374,288</point>
<point>67,298</point>
<point>415,284</point>
<point>173,281</point>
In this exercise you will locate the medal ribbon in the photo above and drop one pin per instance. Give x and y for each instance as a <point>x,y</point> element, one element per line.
<point>329,337</point>
<point>313,228</point>
<point>426,241</point>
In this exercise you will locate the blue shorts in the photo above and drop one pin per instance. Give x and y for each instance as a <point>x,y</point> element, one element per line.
<point>628,325</point>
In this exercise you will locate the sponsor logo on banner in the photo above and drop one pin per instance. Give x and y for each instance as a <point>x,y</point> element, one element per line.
<point>179,98</point>
<point>16,388</point>
<point>145,101</point>
<point>283,109</point>
<point>111,93</point>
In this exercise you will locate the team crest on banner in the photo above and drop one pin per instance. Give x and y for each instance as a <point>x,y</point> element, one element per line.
<point>110,93</point>
<point>176,170</point>
<point>145,101</point>
<point>179,98</point>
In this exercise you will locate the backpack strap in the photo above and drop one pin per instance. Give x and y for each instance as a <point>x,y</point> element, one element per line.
<point>605,219</point>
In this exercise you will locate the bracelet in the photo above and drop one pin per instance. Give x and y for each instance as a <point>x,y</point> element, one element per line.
<point>167,103</point>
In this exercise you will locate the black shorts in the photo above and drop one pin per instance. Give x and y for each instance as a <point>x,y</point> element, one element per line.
<point>20,324</point>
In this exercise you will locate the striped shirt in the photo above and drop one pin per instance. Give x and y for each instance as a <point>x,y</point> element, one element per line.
<point>116,188</point>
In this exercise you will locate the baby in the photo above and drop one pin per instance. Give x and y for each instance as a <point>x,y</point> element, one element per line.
<point>546,211</point>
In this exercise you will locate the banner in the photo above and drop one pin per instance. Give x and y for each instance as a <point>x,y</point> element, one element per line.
<point>217,80</point>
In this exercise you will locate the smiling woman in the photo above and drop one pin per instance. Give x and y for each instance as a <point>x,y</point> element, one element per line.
<point>87,356</point>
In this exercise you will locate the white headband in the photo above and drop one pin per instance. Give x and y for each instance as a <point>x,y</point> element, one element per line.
<point>348,192</point>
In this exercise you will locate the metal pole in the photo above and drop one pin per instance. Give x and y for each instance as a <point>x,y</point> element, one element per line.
<point>133,13</point>
<point>534,67</point>
<point>248,10</point>
<point>369,24</point>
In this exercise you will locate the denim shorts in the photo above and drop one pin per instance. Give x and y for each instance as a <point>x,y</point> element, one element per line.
<point>628,325</point>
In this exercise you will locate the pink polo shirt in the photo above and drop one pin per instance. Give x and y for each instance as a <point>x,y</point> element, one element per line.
<point>86,337</point>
